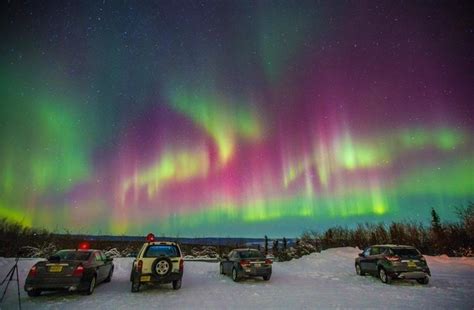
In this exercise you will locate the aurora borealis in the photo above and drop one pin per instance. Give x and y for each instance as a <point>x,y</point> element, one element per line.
<point>234,118</point>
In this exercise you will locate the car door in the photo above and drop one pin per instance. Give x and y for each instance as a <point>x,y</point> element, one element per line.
<point>227,263</point>
<point>364,259</point>
<point>99,266</point>
<point>372,259</point>
<point>235,259</point>
<point>107,264</point>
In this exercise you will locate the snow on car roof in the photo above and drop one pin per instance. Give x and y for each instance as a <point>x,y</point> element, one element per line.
<point>246,249</point>
<point>162,242</point>
<point>394,246</point>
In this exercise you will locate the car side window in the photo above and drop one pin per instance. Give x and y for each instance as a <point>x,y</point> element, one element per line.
<point>98,258</point>
<point>375,251</point>
<point>367,252</point>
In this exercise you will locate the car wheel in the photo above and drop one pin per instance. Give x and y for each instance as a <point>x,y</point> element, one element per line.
<point>91,287</point>
<point>135,286</point>
<point>221,268</point>
<point>359,270</point>
<point>177,284</point>
<point>162,267</point>
<point>34,293</point>
<point>109,277</point>
<point>384,277</point>
<point>235,276</point>
<point>267,277</point>
<point>423,281</point>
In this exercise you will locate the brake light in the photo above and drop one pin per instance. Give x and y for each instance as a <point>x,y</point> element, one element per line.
<point>33,271</point>
<point>79,271</point>
<point>244,263</point>
<point>268,261</point>
<point>139,266</point>
<point>181,265</point>
<point>393,258</point>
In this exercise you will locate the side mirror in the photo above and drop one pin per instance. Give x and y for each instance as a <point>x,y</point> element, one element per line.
<point>361,255</point>
<point>225,257</point>
<point>109,259</point>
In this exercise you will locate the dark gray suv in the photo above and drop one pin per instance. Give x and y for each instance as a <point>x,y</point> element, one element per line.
<point>242,263</point>
<point>393,262</point>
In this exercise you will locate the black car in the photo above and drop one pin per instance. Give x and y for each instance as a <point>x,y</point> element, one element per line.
<point>246,263</point>
<point>393,262</point>
<point>72,270</point>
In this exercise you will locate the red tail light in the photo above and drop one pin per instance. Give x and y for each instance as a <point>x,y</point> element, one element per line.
<point>268,261</point>
<point>181,265</point>
<point>33,271</point>
<point>244,263</point>
<point>79,271</point>
<point>139,266</point>
<point>393,258</point>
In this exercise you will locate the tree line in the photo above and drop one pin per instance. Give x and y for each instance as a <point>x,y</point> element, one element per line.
<point>450,238</point>
<point>439,237</point>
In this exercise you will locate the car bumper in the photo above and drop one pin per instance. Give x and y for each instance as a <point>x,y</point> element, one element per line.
<point>152,278</point>
<point>255,272</point>
<point>53,284</point>
<point>410,274</point>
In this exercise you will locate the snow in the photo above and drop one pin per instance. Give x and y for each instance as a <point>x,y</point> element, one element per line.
<point>320,280</point>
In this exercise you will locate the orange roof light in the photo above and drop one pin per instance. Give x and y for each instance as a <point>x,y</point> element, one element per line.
<point>150,237</point>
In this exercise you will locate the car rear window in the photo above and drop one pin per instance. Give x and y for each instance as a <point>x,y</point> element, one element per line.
<point>157,250</point>
<point>73,255</point>
<point>251,254</point>
<point>405,252</point>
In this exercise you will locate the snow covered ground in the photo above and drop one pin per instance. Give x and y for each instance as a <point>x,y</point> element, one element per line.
<point>318,281</point>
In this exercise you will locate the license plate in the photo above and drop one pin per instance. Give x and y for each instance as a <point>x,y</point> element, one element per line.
<point>258,265</point>
<point>411,264</point>
<point>55,268</point>
<point>145,278</point>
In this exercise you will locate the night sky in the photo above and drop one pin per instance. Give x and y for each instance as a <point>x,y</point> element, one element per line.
<point>234,118</point>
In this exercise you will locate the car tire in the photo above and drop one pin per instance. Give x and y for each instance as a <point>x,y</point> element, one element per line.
<point>235,275</point>
<point>359,270</point>
<point>384,277</point>
<point>177,284</point>
<point>34,293</point>
<point>423,281</point>
<point>109,277</point>
<point>91,286</point>
<point>267,277</point>
<point>162,267</point>
<point>135,286</point>
<point>221,268</point>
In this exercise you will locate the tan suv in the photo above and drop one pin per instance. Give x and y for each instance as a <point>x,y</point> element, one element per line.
<point>157,262</point>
